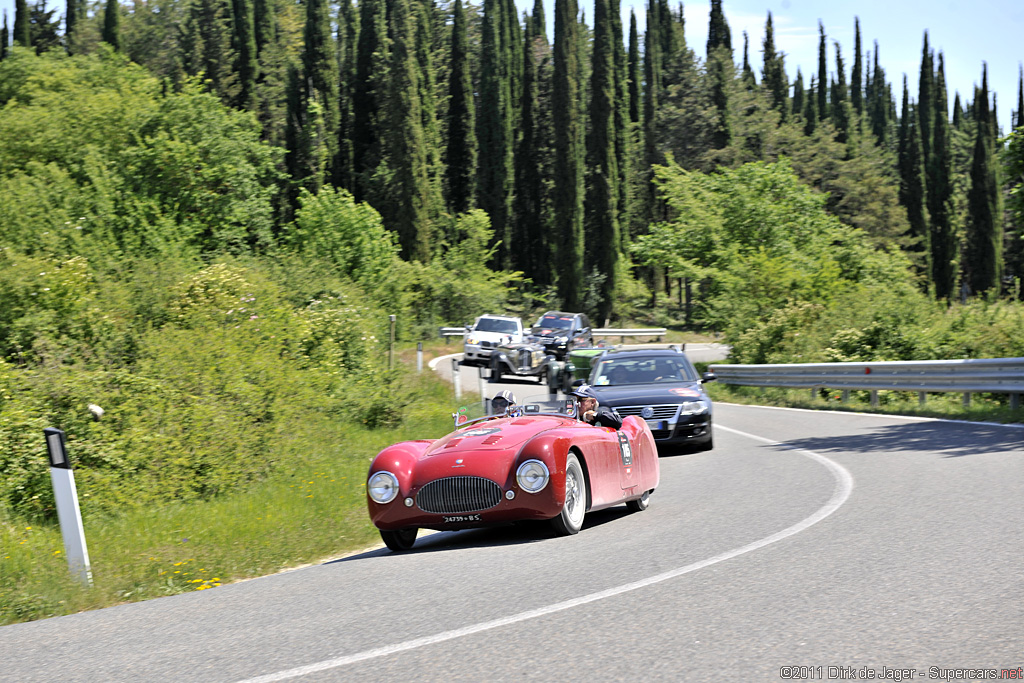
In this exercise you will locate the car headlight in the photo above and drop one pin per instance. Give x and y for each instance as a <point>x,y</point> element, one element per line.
<point>471,339</point>
<point>532,476</point>
<point>382,487</point>
<point>693,408</point>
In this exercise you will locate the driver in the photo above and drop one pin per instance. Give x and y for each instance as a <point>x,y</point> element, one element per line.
<point>503,402</point>
<point>590,410</point>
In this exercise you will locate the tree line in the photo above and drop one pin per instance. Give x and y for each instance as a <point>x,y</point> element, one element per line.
<point>427,109</point>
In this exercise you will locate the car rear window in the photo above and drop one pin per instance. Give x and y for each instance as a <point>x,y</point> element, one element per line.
<point>643,370</point>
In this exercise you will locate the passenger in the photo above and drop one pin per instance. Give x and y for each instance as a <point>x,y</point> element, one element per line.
<point>504,403</point>
<point>590,410</point>
<point>618,376</point>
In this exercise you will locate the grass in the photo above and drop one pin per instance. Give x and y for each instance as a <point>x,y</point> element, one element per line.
<point>313,511</point>
<point>983,407</point>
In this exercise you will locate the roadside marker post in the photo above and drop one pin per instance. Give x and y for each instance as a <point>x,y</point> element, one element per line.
<point>68,512</point>
<point>455,380</point>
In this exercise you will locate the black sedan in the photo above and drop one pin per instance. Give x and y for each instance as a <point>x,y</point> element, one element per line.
<point>661,386</point>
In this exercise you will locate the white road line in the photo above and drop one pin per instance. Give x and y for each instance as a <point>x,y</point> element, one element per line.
<point>840,493</point>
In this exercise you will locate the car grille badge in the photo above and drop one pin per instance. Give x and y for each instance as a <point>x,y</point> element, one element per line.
<point>647,412</point>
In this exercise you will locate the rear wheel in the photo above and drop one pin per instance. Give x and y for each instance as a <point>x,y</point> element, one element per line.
<point>401,540</point>
<point>640,504</point>
<point>571,518</point>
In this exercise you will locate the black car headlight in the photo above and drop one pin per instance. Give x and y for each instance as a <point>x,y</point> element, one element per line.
<point>382,487</point>
<point>532,476</point>
<point>693,408</point>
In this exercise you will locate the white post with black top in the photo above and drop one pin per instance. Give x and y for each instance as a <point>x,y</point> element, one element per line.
<point>68,513</point>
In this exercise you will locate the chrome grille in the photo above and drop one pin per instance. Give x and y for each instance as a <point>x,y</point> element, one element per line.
<point>666,412</point>
<point>454,495</point>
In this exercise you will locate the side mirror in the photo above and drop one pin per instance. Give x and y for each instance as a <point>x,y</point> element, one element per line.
<point>708,377</point>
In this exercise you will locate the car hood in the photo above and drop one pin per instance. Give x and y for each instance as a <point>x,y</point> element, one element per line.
<point>648,394</point>
<point>488,449</point>
<point>491,336</point>
<point>495,435</point>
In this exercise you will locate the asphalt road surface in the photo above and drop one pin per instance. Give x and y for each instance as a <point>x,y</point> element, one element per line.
<point>850,545</point>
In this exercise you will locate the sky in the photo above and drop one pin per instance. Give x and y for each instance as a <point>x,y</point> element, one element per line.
<point>967,32</point>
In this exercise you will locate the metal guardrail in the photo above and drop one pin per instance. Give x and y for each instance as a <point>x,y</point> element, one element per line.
<point>658,332</point>
<point>990,375</point>
<point>446,332</point>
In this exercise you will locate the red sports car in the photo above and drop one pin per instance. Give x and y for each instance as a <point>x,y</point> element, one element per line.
<point>535,462</point>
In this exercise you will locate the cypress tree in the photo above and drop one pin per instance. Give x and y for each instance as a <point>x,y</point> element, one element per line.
<point>775,71</point>
<point>798,94</point>
<point>494,129</point>
<point>424,40</point>
<point>811,110</point>
<point>720,73</point>
<point>4,37</point>
<point>621,127</point>
<point>602,222</point>
<point>22,34</point>
<point>343,166</point>
<point>207,46</point>
<point>368,93</point>
<point>70,19</point>
<point>1020,93</point>
<point>748,78</point>
<point>530,174</point>
<point>925,102</point>
<point>111,24</point>
<point>652,97</point>
<point>983,249</point>
<point>245,39</point>
<point>406,204</point>
<point>320,67</point>
<point>719,34</point>
<point>823,112</point>
<point>842,112</point>
<point>958,112</point>
<point>540,26</point>
<point>856,78</point>
<point>634,70</point>
<point>568,163</point>
<point>879,105</point>
<point>462,149</point>
<point>911,193</point>
<point>939,193</point>
<point>264,24</point>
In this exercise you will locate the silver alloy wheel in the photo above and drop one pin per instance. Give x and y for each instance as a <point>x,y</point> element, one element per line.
<point>575,507</point>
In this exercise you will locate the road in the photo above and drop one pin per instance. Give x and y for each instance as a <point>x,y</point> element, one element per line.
<point>803,539</point>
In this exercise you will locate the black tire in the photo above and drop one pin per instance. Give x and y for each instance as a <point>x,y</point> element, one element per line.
<point>495,371</point>
<point>570,520</point>
<point>641,503</point>
<point>401,540</point>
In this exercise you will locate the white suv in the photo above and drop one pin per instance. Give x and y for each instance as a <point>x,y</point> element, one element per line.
<point>485,334</point>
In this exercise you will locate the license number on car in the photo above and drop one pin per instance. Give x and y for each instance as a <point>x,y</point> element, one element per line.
<point>461,518</point>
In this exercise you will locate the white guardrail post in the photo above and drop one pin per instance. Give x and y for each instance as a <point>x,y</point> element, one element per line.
<point>988,375</point>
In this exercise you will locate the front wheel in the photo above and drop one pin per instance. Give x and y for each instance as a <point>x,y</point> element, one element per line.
<point>495,371</point>
<point>570,520</point>
<point>640,504</point>
<point>401,540</point>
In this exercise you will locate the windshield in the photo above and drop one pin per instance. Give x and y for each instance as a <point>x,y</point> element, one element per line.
<point>545,403</point>
<point>496,325</point>
<point>555,322</point>
<point>642,370</point>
